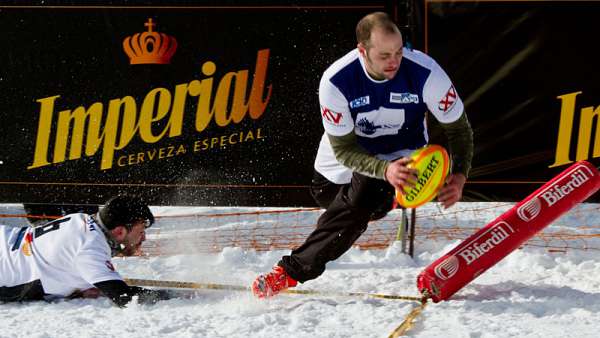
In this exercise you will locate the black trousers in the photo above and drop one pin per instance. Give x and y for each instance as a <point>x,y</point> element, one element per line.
<point>24,292</point>
<point>350,207</point>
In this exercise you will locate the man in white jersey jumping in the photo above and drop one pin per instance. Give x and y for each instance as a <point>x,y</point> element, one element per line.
<point>374,102</point>
<point>71,256</point>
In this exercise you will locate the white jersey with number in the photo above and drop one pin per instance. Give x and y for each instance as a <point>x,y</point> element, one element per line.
<point>387,116</point>
<point>66,255</point>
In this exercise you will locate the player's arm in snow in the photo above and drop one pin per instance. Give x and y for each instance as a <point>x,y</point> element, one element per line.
<point>121,294</point>
<point>93,262</point>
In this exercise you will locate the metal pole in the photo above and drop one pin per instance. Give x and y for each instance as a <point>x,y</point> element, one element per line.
<point>413,219</point>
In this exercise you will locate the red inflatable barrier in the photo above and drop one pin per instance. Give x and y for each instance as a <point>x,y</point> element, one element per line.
<point>482,250</point>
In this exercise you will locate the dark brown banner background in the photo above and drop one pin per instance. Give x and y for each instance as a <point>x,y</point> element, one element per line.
<point>509,61</point>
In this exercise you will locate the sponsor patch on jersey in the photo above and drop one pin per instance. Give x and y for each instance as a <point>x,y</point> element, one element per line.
<point>359,102</point>
<point>404,98</point>
<point>27,245</point>
<point>368,128</point>
<point>448,101</point>
<point>331,116</point>
<point>109,265</point>
<point>379,122</point>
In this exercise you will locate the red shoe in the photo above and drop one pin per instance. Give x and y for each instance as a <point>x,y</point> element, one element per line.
<point>272,283</point>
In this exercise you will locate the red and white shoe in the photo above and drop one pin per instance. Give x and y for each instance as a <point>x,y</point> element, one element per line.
<point>272,283</point>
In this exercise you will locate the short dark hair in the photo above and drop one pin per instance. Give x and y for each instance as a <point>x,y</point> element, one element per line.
<point>124,210</point>
<point>377,19</point>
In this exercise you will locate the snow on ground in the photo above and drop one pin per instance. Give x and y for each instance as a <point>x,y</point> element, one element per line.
<point>531,293</point>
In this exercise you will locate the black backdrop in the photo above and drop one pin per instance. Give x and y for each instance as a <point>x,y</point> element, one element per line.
<point>509,62</point>
<point>76,52</point>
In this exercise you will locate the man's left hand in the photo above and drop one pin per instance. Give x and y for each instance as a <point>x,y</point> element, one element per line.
<point>452,190</point>
<point>88,293</point>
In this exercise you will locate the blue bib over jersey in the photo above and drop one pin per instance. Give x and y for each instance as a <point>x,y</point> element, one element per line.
<point>387,116</point>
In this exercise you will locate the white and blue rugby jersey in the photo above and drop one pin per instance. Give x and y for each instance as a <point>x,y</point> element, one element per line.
<point>387,116</point>
<point>66,255</point>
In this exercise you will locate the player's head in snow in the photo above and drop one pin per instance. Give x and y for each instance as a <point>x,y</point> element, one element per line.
<point>127,218</point>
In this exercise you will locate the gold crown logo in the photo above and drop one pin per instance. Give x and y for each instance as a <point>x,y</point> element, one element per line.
<point>149,47</point>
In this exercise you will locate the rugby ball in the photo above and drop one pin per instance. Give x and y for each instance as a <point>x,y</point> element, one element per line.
<point>433,165</point>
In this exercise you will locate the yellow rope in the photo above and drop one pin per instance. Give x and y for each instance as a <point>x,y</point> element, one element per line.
<point>184,285</point>
<point>212,286</point>
<point>408,321</point>
<point>351,294</point>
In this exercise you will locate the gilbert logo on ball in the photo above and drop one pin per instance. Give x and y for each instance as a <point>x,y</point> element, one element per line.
<point>433,165</point>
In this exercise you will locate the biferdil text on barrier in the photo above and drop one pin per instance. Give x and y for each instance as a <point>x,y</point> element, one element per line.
<point>482,250</point>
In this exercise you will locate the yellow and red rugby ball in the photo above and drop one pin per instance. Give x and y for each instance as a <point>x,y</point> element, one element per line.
<point>433,165</point>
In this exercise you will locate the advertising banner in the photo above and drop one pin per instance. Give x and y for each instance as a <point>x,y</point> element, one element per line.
<point>482,250</point>
<point>215,103</point>
<point>201,104</point>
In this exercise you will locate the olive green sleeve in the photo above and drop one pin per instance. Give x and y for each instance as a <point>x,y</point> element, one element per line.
<point>460,144</point>
<point>349,153</point>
